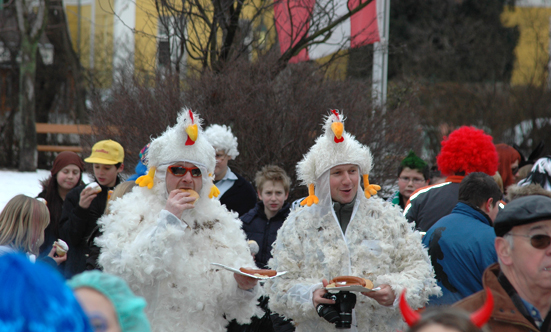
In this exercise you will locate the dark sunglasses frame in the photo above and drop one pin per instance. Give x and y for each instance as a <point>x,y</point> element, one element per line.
<point>538,241</point>
<point>176,171</point>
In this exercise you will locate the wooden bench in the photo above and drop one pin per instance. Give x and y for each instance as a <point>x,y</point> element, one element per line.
<point>50,128</point>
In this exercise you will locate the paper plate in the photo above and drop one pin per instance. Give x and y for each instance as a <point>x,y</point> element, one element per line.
<point>246,274</point>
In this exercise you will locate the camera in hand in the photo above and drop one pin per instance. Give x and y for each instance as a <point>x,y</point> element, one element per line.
<point>339,313</point>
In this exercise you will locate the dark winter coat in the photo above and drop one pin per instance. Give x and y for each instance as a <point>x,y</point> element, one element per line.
<point>428,204</point>
<point>76,227</point>
<point>241,197</point>
<point>257,227</point>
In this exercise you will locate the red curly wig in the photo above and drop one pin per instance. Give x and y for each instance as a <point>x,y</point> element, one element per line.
<point>468,150</point>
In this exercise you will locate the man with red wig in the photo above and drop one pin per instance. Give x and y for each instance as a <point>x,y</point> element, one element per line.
<point>464,151</point>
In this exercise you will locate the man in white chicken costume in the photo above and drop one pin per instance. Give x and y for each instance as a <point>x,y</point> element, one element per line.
<point>345,232</point>
<point>162,241</point>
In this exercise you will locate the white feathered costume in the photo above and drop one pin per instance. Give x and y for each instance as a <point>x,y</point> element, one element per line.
<point>168,262</point>
<point>378,245</point>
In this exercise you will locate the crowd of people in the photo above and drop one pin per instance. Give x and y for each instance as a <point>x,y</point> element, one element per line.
<point>462,246</point>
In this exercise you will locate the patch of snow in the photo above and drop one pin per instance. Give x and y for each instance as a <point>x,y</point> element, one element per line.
<point>13,183</point>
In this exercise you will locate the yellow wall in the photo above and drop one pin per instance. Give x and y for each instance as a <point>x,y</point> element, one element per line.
<point>72,18</point>
<point>532,48</point>
<point>103,42</point>
<point>145,50</point>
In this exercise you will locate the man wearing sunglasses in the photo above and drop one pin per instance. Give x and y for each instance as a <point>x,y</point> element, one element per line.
<point>521,281</point>
<point>162,237</point>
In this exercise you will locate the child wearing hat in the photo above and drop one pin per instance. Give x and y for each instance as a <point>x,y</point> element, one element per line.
<point>66,174</point>
<point>84,205</point>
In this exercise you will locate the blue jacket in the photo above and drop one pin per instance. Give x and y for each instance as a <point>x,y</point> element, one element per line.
<point>257,227</point>
<point>461,247</point>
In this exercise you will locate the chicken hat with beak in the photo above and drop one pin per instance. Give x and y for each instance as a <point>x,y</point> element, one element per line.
<point>182,142</point>
<point>335,147</point>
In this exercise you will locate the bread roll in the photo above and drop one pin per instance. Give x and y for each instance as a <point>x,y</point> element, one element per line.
<point>192,193</point>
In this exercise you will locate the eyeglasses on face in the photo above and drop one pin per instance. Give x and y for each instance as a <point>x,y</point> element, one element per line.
<point>220,155</point>
<point>180,171</point>
<point>414,180</point>
<point>538,241</point>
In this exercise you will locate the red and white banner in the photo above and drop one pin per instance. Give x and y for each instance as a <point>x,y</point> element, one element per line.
<point>294,19</point>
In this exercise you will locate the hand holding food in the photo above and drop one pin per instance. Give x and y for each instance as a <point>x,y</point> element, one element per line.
<point>192,193</point>
<point>61,247</point>
<point>88,194</point>
<point>95,187</point>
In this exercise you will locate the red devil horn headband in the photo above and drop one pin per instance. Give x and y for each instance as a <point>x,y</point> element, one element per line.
<point>410,316</point>
<point>481,316</point>
<point>478,318</point>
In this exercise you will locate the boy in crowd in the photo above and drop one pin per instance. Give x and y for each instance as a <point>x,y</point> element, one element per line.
<point>413,174</point>
<point>263,221</point>
<point>461,244</point>
<point>84,205</point>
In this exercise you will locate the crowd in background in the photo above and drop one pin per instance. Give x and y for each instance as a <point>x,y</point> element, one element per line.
<point>87,258</point>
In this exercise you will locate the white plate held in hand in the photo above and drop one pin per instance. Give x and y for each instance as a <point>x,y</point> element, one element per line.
<point>246,274</point>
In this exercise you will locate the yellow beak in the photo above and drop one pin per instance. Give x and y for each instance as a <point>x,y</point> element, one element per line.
<point>337,129</point>
<point>192,132</point>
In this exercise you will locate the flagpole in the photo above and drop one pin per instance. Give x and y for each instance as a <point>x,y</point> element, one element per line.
<point>380,55</point>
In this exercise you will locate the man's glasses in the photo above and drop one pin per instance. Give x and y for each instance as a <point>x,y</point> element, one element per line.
<point>538,241</point>
<point>414,180</point>
<point>180,171</point>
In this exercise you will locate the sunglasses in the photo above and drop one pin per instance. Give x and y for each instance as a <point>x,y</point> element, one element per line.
<point>538,241</point>
<point>180,171</point>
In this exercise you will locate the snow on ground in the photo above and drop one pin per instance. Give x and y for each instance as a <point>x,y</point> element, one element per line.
<point>14,183</point>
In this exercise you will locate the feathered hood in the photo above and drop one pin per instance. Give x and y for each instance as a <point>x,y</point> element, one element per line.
<point>186,142</point>
<point>334,147</point>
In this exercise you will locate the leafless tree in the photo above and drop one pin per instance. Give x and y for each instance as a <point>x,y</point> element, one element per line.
<point>275,120</point>
<point>31,24</point>
<point>217,32</point>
